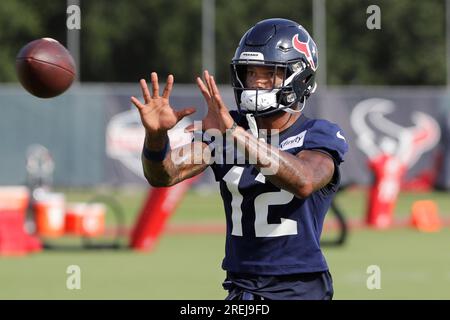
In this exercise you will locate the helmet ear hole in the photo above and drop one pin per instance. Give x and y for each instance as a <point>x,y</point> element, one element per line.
<point>307,78</point>
<point>303,84</point>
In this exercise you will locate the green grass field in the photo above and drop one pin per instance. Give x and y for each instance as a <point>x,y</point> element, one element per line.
<point>413,265</point>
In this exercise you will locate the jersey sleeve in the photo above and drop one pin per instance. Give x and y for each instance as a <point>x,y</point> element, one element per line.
<point>239,118</point>
<point>327,137</point>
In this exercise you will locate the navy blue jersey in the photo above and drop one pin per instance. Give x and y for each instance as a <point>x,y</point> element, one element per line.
<point>269,230</point>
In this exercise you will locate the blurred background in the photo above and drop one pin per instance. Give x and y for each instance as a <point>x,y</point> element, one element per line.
<point>383,76</point>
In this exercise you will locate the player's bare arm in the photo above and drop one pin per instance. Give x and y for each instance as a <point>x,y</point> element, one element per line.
<point>158,117</point>
<point>301,175</point>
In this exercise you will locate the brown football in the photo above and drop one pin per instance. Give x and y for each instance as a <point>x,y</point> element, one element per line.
<point>45,68</point>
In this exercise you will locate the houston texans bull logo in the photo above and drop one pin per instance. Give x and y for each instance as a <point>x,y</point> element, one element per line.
<point>404,143</point>
<point>392,149</point>
<point>308,49</point>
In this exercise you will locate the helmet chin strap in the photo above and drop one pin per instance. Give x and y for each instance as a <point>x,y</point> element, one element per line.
<point>252,124</point>
<point>292,111</point>
<point>252,121</point>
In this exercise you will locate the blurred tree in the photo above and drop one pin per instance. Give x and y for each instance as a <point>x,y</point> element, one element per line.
<point>24,21</point>
<point>409,49</point>
<point>235,17</point>
<point>123,41</point>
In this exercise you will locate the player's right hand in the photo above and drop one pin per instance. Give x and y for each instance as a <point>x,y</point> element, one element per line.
<point>157,115</point>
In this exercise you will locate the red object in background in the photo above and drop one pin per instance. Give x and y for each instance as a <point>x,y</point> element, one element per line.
<point>13,238</point>
<point>73,223</point>
<point>426,179</point>
<point>85,219</point>
<point>388,172</point>
<point>49,209</point>
<point>158,207</point>
<point>425,216</point>
<point>94,220</point>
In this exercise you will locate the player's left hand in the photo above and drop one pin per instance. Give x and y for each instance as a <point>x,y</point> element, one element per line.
<point>218,116</point>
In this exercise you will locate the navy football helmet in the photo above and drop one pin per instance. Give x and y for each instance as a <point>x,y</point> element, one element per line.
<point>277,43</point>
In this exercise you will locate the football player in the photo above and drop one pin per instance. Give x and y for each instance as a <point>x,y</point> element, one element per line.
<point>275,205</point>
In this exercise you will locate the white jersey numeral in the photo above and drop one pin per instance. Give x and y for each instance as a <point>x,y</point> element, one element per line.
<point>232,179</point>
<point>262,203</point>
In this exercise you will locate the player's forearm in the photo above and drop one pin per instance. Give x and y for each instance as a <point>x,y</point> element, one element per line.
<point>179,164</point>
<point>284,170</point>
<point>156,141</point>
<point>158,173</point>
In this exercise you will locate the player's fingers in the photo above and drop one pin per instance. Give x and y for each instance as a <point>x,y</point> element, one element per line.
<point>137,103</point>
<point>145,91</point>
<point>216,93</point>
<point>214,88</point>
<point>185,112</point>
<point>203,89</point>
<point>155,85</point>
<point>211,88</point>
<point>168,87</point>
<point>208,81</point>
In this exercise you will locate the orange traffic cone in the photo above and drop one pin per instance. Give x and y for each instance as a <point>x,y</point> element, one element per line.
<point>425,217</point>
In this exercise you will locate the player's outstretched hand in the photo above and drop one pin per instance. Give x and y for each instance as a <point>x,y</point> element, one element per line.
<point>218,116</point>
<point>157,115</point>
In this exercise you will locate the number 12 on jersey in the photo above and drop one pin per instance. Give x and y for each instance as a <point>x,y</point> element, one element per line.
<point>262,202</point>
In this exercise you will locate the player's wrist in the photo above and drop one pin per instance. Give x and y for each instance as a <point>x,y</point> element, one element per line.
<point>233,128</point>
<point>155,155</point>
<point>155,140</point>
<point>156,146</point>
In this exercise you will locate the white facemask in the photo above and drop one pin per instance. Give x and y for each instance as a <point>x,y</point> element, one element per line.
<point>266,99</point>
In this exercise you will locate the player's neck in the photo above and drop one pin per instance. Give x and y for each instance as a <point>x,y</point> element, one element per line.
<point>280,121</point>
